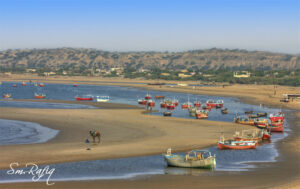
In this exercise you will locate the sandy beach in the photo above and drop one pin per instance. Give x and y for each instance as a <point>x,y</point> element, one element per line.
<point>127,132</point>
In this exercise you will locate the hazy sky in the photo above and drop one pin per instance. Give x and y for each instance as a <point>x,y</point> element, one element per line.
<point>159,25</point>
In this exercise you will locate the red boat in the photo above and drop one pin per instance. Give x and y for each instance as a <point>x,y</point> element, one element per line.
<point>6,95</point>
<point>159,97</point>
<point>277,117</point>
<point>197,104</point>
<point>252,135</point>
<point>236,145</point>
<point>24,84</point>
<point>214,104</point>
<point>42,85</point>
<point>142,101</point>
<point>39,96</point>
<point>87,98</point>
<point>186,105</point>
<point>170,106</point>
<point>267,136</point>
<point>274,128</point>
<point>14,85</point>
<point>150,103</point>
<point>175,102</point>
<point>148,97</point>
<point>163,105</point>
<point>201,114</point>
<point>75,85</point>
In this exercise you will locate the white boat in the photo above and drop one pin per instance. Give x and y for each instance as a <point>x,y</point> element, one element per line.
<point>102,98</point>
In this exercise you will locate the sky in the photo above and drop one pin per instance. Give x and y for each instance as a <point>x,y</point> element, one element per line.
<point>151,25</point>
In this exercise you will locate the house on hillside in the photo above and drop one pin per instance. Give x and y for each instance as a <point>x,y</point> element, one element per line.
<point>242,74</point>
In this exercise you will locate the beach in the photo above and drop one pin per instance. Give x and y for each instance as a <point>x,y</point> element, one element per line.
<point>128,132</point>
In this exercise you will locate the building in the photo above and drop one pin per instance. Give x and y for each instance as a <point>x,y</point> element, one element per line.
<point>241,74</point>
<point>182,75</point>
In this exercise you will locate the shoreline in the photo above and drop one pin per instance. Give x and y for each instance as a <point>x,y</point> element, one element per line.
<point>145,182</point>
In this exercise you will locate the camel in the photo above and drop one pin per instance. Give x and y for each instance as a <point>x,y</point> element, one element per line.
<point>95,134</point>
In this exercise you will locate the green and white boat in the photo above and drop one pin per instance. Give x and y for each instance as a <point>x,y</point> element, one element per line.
<point>193,159</point>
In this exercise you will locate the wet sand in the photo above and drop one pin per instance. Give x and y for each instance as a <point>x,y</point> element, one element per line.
<point>125,134</point>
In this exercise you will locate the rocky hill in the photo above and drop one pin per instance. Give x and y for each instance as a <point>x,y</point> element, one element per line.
<point>70,58</point>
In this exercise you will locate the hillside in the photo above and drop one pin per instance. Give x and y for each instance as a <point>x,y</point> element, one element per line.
<point>70,58</point>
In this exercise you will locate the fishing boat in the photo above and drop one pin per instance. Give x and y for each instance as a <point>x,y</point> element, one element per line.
<point>24,83</point>
<point>35,84</point>
<point>275,128</point>
<point>159,97</point>
<point>148,97</point>
<point>175,102</point>
<point>192,112</point>
<point>84,98</point>
<point>249,112</point>
<point>150,103</point>
<point>42,85</point>
<point>201,114</point>
<point>14,85</point>
<point>211,103</point>
<point>219,104</point>
<point>192,159</point>
<point>243,120</point>
<point>224,111</point>
<point>197,103</point>
<point>170,106</point>
<point>39,95</point>
<point>167,113</point>
<point>7,95</point>
<point>186,105</point>
<point>206,107</point>
<point>252,135</point>
<point>163,104</point>
<point>75,85</point>
<point>276,117</point>
<point>236,145</point>
<point>262,114</point>
<point>142,101</point>
<point>102,98</point>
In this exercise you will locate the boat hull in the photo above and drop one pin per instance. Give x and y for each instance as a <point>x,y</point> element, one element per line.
<point>222,146</point>
<point>179,161</point>
<point>84,99</point>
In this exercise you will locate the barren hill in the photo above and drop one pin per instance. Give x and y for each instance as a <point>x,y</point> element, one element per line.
<point>70,58</point>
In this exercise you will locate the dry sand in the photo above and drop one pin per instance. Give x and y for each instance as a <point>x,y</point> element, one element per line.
<point>127,132</point>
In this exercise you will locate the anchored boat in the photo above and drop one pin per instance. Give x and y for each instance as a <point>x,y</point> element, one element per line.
<point>84,98</point>
<point>252,135</point>
<point>236,145</point>
<point>39,95</point>
<point>102,98</point>
<point>201,114</point>
<point>193,159</point>
<point>7,95</point>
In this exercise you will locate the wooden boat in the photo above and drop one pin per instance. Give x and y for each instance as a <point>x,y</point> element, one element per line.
<point>42,85</point>
<point>197,103</point>
<point>236,145</point>
<point>142,101</point>
<point>277,117</point>
<point>274,128</point>
<point>159,97</point>
<point>175,102</point>
<point>170,106</point>
<point>150,103</point>
<point>224,111</point>
<point>219,104</point>
<point>163,105</point>
<point>75,85</point>
<point>102,98</point>
<point>14,85</point>
<point>7,95</point>
<point>201,114</point>
<point>249,112</point>
<point>167,113</point>
<point>252,135</point>
<point>24,83</point>
<point>252,115</point>
<point>192,112</point>
<point>193,159</point>
<point>84,98</point>
<point>148,97</point>
<point>243,120</point>
<point>186,105</point>
<point>39,96</point>
<point>262,114</point>
<point>211,103</point>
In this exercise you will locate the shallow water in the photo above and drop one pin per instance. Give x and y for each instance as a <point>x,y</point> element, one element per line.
<point>227,160</point>
<point>21,132</point>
